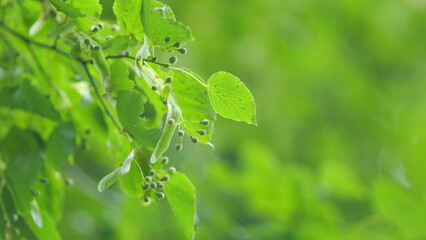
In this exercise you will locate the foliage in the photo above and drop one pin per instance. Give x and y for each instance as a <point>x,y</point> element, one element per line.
<point>78,89</point>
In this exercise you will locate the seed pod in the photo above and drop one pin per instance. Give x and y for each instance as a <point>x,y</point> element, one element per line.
<point>145,186</point>
<point>7,235</point>
<point>69,181</point>
<point>171,121</point>
<point>151,172</point>
<point>165,178</point>
<point>165,160</point>
<point>201,132</point>
<point>172,169</point>
<point>92,61</point>
<point>167,39</point>
<point>194,139</point>
<point>7,223</point>
<point>115,28</point>
<point>94,29</point>
<point>109,37</point>
<point>96,48</point>
<point>181,133</point>
<point>173,60</point>
<point>15,217</point>
<point>183,51</point>
<point>153,185</point>
<point>35,193</point>
<point>148,179</point>
<point>169,79</point>
<point>178,147</point>
<point>177,45</point>
<point>146,199</point>
<point>17,231</point>
<point>86,41</point>
<point>205,122</point>
<point>164,101</point>
<point>100,25</point>
<point>160,185</point>
<point>160,195</point>
<point>44,180</point>
<point>154,88</point>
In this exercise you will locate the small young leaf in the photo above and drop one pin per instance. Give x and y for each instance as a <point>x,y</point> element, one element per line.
<point>231,98</point>
<point>161,26</point>
<point>180,193</point>
<point>112,177</point>
<point>69,10</point>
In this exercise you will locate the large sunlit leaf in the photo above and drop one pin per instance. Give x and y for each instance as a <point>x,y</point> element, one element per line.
<point>128,17</point>
<point>231,98</point>
<point>193,99</point>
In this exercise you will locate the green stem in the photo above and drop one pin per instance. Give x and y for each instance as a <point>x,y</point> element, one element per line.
<point>191,75</point>
<point>98,95</point>
<point>30,41</point>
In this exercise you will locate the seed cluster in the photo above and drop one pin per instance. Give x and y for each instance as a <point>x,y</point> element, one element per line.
<point>9,229</point>
<point>155,182</point>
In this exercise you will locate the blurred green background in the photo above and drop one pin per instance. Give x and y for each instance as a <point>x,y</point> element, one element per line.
<point>340,149</point>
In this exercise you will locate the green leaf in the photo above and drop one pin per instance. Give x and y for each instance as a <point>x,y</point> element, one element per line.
<point>160,23</point>
<point>112,177</point>
<point>91,8</point>
<point>231,98</point>
<point>119,76</point>
<point>47,230</point>
<point>193,99</point>
<point>60,145</point>
<point>128,17</point>
<point>23,163</point>
<point>27,97</point>
<point>129,107</point>
<point>118,45</point>
<point>180,194</point>
<point>67,9</point>
<point>131,183</point>
<point>51,193</point>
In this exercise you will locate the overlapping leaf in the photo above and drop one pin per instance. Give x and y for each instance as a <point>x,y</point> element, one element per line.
<point>161,26</point>
<point>129,107</point>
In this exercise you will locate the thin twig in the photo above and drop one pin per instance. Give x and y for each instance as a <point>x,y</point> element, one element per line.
<point>98,95</point>
<point>28,40</point>
<point>120,56</point>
